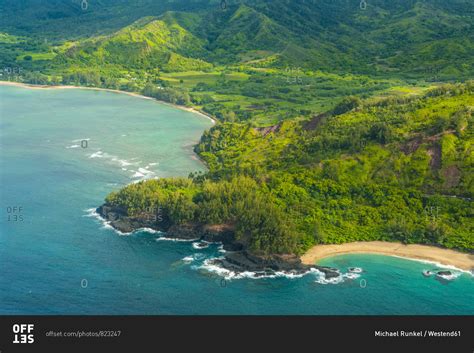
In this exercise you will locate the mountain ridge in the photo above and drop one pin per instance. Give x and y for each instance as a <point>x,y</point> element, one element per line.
<point>385,38</point>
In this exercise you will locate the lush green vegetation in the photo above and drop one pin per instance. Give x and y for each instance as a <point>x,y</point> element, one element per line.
<point>396,169</point>
<point>260,223</point>
<point>334,123</point>
<point>257,61</point>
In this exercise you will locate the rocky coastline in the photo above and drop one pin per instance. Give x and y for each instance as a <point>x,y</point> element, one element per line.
<point>237,258</point>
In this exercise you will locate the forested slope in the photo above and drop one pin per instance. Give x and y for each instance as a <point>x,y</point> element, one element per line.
<point>397,169</point>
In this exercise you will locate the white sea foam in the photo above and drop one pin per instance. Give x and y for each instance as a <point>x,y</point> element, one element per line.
<point>450,277</point>
<point>98,154</point>
<point>148,230</point>
<point>351,275</point>
<point>210,265</point>
<point>122,162</point>
<point>355,269</point>
<point>139,230</point>
<point>91,212</point>
<point>144,171</point>
<point>174,239</point>
<point>108,226</point>
<point>436,264</point>
<point>291,275</point>
<point>137,174</point>
<point>333,280</point>
<point>221,249</point>
<point>194,257</point>
<point>200,245</point>
<point>73,146</point>
<point>321,277</point>
<point>141,173</point>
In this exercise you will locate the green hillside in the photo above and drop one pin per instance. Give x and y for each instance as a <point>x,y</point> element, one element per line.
<point>147,44</point>
<point>70,19</point>
<point>397,169</point>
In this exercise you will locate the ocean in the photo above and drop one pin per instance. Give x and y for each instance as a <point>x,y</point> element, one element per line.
<point>63,151</point>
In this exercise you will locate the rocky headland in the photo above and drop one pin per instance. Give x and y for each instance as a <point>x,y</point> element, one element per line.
<point>237,257</point>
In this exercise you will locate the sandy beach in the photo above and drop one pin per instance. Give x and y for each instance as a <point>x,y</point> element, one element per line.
<point>447,257</point>
<point>27,85</point>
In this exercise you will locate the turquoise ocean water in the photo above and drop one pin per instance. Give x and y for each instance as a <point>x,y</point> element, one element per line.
<point>62,151</point>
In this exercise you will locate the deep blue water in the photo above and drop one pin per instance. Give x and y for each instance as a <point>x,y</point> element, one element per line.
<point>60,260</point>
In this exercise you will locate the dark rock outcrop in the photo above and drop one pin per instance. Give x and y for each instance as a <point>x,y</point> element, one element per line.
<point>119,220</point>
<point>237,258</point>
<point>444,273</point>
<point>246,261</point>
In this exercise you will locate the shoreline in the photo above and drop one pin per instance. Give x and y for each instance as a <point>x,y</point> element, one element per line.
<point>137,95</point>
<point>417,252</point>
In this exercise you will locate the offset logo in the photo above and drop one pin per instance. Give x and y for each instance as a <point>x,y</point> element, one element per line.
<point>23,333</point>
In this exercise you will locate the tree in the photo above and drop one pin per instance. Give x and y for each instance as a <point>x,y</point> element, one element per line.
<point>346,105</point>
